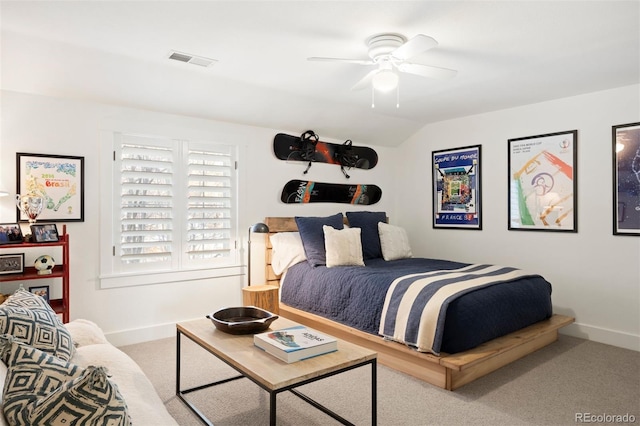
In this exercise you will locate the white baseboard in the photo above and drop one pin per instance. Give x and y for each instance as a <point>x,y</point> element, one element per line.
<point>603,335</point>
<point>583,331</point>
<point>143,334</point>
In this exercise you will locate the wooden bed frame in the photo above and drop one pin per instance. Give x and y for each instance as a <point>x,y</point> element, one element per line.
<point>446,371</point>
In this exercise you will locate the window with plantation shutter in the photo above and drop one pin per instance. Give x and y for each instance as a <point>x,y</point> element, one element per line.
<point>174,206</point>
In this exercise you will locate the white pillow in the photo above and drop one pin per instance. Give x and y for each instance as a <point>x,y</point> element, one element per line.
<point>287,250</point>
<point>394,242</point>
<point>343,247</point>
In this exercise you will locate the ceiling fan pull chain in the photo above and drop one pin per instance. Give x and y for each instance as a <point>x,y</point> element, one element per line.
<point>373,97</point>
<point>398,95</point>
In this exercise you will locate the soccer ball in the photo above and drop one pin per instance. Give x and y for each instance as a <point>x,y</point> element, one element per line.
<point>44,264</point>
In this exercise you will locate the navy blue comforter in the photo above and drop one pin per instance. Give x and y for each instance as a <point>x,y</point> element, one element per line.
<point>354,296</point>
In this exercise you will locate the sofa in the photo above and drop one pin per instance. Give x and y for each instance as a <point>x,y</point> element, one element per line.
<point>56,373</point>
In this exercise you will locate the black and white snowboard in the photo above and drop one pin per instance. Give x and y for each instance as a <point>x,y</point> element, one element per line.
<point>305,191</point>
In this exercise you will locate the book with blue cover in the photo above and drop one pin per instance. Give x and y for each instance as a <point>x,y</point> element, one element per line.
<point>295,343</point>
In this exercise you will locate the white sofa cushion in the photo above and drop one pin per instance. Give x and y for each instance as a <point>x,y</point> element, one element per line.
<point>145,406</point>
<point>43,389</point>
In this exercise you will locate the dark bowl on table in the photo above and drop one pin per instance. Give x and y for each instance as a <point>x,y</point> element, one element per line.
<point>242,320</point>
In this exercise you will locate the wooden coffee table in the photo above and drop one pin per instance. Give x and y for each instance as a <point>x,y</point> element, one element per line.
<point>268,372</point>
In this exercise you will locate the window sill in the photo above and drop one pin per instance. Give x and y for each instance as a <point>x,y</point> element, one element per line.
<point>138,279</point>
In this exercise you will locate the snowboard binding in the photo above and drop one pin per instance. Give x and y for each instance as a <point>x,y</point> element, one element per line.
<point>347,158</point>
<point>308,142</point>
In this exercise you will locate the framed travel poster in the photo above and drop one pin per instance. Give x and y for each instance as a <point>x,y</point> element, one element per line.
<point>457,188</point>
<point>626,179</point>
<point>58,179</point>
<point>543,182</point>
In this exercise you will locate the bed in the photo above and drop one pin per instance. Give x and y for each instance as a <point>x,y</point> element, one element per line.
<point>354,296</point>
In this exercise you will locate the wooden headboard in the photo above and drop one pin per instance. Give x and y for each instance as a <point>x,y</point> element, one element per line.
<point>279,224</point>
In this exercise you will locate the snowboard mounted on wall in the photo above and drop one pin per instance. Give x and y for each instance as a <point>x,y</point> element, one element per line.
<point>308,148</point>
<point>304,191</point>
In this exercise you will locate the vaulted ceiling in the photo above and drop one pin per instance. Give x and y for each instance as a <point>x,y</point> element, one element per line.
<point>507,54</point>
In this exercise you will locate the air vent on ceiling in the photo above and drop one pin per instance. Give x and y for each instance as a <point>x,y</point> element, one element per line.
<point>191,59</point>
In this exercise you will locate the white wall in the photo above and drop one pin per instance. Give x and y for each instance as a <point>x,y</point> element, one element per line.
<point>38,124</point>
<point>595,275</point>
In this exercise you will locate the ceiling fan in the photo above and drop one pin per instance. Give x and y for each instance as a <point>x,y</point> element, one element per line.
<point>392,53</point>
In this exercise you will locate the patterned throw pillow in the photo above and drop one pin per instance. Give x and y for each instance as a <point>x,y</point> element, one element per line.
<point>30,319</point>
<point>31,374</point>
<point>42,389</point>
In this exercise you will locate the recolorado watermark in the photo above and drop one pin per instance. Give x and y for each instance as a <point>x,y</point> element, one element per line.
<point>604,418</point>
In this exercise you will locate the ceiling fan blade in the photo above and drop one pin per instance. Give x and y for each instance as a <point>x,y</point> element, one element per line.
<point>348,61</point>
<point>365,81</point>
<point>427,71</point>
<point>418,44</point>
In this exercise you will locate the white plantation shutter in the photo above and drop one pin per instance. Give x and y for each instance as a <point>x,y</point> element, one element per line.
<point>176,207</point>
<point>146,209</point>
<point>210,188</point>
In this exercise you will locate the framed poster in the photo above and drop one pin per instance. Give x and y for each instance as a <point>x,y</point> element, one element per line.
<point>543,182</point>
<point>457,188</point>
<point>626,179</point>
<point>58,179</point>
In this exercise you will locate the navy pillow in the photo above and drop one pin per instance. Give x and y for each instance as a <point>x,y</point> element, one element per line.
<point>368,224</point>
<point>312,236</point>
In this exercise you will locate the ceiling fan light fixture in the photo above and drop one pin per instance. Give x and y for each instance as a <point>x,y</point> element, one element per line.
<point>385,80</point>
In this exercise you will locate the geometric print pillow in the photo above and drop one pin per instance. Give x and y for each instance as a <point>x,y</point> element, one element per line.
<point>43,390</point>
<point>30,319</point>
<point>31,374</point>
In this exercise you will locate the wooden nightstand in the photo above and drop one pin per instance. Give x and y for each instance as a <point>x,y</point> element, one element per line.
<point>261,296</point>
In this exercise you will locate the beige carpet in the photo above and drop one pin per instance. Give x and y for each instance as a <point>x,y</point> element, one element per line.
<point>569,378</point>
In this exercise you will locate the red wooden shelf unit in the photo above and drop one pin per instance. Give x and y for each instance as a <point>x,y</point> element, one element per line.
<point>60,306</point>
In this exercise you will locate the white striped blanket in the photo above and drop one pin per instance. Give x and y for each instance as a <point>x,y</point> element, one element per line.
<point>415,305</point>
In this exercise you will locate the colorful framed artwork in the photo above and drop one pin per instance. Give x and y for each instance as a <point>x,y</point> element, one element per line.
<point>626,179</point>
<point>543,185</point>
<point>457,191</point>
<point>10,233</point>
<point>42,291</point>
<point>11,263</point>
<point>58,179</point>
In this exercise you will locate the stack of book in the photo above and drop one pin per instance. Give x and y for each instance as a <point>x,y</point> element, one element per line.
<point>295,343</point>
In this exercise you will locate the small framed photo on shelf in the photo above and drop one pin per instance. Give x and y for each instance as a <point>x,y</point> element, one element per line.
<point>10,233</point>
<point>42,291</point>
<point>44,233</point>
<point>11,263</point>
